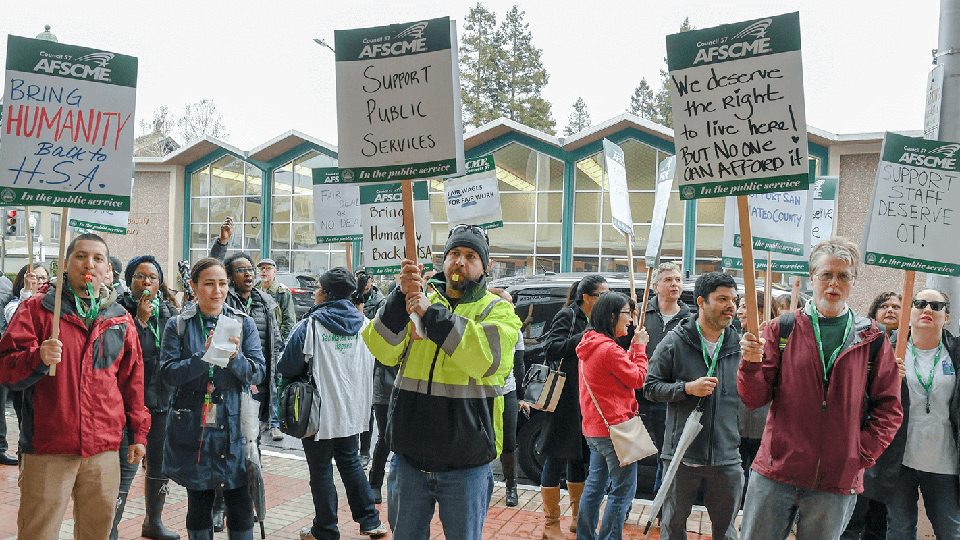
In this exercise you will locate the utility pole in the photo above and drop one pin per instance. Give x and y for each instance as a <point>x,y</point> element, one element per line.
<point>948,56</point>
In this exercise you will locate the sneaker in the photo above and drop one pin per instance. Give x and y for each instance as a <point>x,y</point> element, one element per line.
<point>276,434</point>
<point>307,534</point>
<point>377,532</point>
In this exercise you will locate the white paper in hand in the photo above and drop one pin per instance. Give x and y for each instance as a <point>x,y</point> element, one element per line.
<point>221,348</point>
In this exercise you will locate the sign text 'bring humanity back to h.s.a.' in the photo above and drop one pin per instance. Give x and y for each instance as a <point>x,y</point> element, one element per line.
<point>738,113</point>
<point>398,102</point>
<point>67,136</point>
<point>913,221</point>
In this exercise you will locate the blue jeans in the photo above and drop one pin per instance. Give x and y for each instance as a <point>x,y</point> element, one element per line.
<point>463,496</point>
<point>722,489</point>
<point>771,507</point>
<point>346,451</point>
<point>939,498</point>
<point>604,467</point>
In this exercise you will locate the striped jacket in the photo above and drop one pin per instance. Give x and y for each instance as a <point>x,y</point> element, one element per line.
<point>447,411</point>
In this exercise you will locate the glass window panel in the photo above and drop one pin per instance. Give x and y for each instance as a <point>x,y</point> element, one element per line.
<point>513,170</point>
<point>221,207</point>
<point>707,265</point>
<point>254,181</point>
<point>710,241</point>
<point>311,262</point>
<point>510,265</point>
<point>200,182</point>
<point>641,206</point>
<point>199,237</point>
<point>550,207</point>
<point>304,237</point>
<point>587,208</point>
<point>585,264</point>
<point>588,175</point>
<point>198,209</point>
<point>585,239</point>
<point>280,236</point>
<point>554,181</point>
<point>304,170</point>
<point>675,209</point>
<point>251,207</point>
<point>283,180</point>
<point>517,207</point>
<point>227,178</point>
<point>615,244</point>
<point>314,160</point>
<point>251,236</point>
<point>438,208</point>
<point>282,207</point>
<point>672,244</point>
<point>548,239</point>
<point>641,164</point>
<point>507,239</point>
<point>196,254</point>
<point>303,208</point>
<point>710,210</point>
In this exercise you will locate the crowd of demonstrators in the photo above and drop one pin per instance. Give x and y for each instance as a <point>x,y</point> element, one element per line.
<point>72,423</point>
<point>695,368</point>
<point>444,428</point>
<point>25,285</point>
<point>564,443</point>
<point>513,404</point>
<point>834,394</point>
<point>147,301</point>
<point>869,517</point>
<point>202,451</point>
<point>609,377</point>
<point>328,343</point>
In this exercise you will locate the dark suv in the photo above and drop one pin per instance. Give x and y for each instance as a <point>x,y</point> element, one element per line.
<point>301,287</point>
<point>542,295</point>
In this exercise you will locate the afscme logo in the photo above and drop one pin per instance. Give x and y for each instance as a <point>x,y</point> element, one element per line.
<point>398,46</point>
<point>100,72</point>
<point>757,30</point>
<point>947,150</point>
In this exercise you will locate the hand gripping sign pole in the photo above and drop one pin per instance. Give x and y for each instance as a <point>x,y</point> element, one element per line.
<point>61,282</point>
<point>410,239</point>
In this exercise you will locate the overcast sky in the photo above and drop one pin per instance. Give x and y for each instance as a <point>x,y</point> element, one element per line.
<point>865,62</point>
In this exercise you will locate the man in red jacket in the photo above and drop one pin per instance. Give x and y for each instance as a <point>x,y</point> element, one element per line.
<point>834,390</point>
<point>73,422</point>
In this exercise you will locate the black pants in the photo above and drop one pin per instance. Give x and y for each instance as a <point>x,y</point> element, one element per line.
<point>382,450</point>
<point>155,439</point>
<point>510,412</point>
<point>239,509</point>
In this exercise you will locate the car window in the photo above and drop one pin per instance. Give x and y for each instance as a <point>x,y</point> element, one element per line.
<point>288,280</point>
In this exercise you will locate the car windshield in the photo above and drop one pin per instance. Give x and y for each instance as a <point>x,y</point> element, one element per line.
<point>288,280</point>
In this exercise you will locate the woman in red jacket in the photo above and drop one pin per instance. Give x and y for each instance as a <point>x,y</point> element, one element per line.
<point>612,374</point>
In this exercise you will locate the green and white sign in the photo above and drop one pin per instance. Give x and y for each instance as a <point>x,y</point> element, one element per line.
<point>913,222</point>
<point>398,102</point>
<point>823,201</point>
<point>738,112</point>
<point>84,220</point>
<point>336,207</point>
<point>779,223</point>
<point>665,176</point>
<point>381,207</point>
<point>616,169</point>
<point>68,122</point>
<point>474,199</point>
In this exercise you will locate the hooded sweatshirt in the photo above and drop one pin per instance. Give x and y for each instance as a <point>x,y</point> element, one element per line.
<point>328,343</point>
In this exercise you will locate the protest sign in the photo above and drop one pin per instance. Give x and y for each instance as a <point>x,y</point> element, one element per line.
<point>381,208</point>
<point>912,217</point>
<point>738,108</point>
<point>615,167</point>
<point>823,207</point>
<point>780,225</point>
<point>336,207</point>
<point>931,112</point>
<point>98,221</point>
<point>398,102</point>
<point>475,198</point>
<point>665,173</point>
<point>67,126</point>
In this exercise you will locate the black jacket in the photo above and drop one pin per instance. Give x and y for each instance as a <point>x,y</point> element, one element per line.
<point>564,436</point>
<point>653,322</point>
<point>156,393</point>
<point>678,360</point>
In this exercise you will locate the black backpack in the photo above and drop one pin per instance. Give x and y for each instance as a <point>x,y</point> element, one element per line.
<point>298,409</point>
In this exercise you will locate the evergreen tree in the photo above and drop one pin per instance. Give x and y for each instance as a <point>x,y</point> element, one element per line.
<point>641,102</point>
<point>579,119</point>
<point>479,52</point>
<point>656,107</point>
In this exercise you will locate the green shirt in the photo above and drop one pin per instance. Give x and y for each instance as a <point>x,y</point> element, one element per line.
<point>831,333</point>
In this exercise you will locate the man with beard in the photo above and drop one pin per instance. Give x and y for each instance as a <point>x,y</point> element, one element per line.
<point>445,426</point>
<point>695,366</point>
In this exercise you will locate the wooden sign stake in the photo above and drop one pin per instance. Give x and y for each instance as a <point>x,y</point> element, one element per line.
<point>767,289</point>
<point>410,239</point>
<point>61,281</point>
<point>646,296</point>
<point>349,246</point>
<point>749,268</point>
<point>633,285</point>
<point>904,328</point>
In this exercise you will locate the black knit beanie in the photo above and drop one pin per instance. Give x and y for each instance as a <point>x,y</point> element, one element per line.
<point>471,237</point>
<point>137,261</point>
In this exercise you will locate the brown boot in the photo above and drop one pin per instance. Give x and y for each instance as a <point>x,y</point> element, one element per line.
<point>575,489</point>
<point>551,512</point>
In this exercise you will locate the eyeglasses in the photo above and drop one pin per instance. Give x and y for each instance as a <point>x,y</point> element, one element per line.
<point>934,305</point>
<point>479,231</point>
<point>146,277</point>
<point>626,312</point>
<point>247,270</point>
<point>827,277</point>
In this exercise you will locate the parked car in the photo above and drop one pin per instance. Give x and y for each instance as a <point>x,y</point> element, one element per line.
<point>302,287</point>
<point>541,296</point>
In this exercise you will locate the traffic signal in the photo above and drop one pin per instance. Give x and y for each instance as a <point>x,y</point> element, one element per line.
<point>10,215</point>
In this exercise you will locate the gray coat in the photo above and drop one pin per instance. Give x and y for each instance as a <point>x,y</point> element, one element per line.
<point>678,360</point>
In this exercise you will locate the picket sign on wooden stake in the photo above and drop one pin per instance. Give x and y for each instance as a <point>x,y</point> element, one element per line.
<point>410,243</point>
<point>767,289</point>
<point>646,296</point>
<point>749,268</point>
<point>61,281</point>
<point>908,279</point>
<point>633,285</point>
<point>349,246</point>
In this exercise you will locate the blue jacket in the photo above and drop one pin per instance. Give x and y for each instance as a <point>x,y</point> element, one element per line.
<point>217,463</point>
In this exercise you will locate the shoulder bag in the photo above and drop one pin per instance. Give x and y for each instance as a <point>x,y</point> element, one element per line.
<point>298,409</point>
<point>543,384</point>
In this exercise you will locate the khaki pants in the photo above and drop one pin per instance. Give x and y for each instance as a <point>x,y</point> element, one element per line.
<point>46,484</point>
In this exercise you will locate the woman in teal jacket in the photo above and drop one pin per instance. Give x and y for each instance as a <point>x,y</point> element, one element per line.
<point>205,449</point>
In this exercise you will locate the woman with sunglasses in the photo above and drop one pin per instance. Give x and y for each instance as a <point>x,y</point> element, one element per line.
<point>609,377</point>
<point>924,451</point>
<point>205,448</point>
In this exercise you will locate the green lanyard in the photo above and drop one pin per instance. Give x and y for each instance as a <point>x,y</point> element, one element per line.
<point>249,301</point>
<point>155,328</point>
<point>94,309</point>
<point>710,362</point>
<point>828,365</point>
<point>916,368</point>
